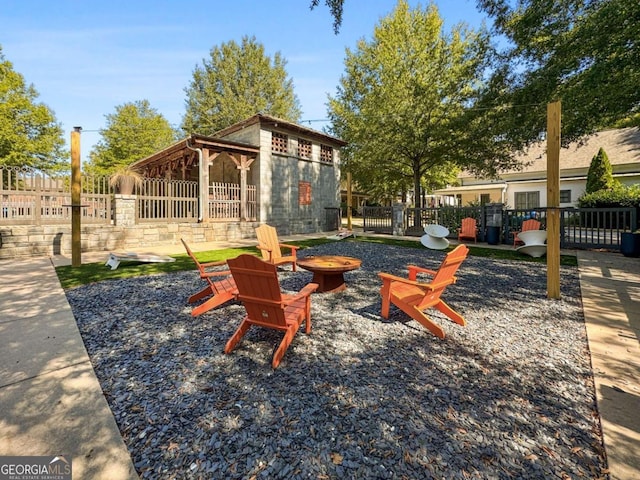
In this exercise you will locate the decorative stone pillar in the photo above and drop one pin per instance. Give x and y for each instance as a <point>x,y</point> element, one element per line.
<point>397,219</point>
<point>124,208</point>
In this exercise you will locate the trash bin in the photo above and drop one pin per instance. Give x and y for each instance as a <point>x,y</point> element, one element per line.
<point>493,235</point>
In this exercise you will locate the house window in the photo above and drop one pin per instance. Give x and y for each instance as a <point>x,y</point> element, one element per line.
<point>527,200</point>
<point>565,196</point>
<point>304,148</point>
<point>485,198</point>
<point>304,193</point>
<point>326,154</point>
<point>279,142</point>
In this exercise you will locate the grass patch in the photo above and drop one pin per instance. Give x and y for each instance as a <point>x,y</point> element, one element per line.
<point>71,277</point>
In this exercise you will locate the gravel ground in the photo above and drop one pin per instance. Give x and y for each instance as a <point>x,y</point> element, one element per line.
<point>508,396</point>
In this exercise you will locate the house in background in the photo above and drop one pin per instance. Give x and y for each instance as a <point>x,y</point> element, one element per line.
<point>260,170</point>
<point>527,188</point>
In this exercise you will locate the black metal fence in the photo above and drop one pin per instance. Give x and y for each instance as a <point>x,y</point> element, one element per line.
<point>579,227</point>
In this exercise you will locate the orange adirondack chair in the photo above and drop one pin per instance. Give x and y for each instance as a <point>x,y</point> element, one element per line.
<point>270,246</point>
<point>468,229</point>
<point>222,290</point>
<point>265,304</point>
<point>530,224</point>
<point>413,297</point>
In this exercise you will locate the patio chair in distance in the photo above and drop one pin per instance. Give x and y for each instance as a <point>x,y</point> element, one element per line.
<point>265,304</point>
<point>270,247</point>
<point>220,284</point>
<point>531,224</point>
<point>414,297</point>
<point>468,229</point>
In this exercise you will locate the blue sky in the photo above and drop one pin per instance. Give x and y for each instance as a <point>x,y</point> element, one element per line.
<point>87,57</point>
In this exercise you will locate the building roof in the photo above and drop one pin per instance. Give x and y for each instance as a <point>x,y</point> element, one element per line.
<point>183,152</point>
<point>275,122</point>
<point>621,145</point>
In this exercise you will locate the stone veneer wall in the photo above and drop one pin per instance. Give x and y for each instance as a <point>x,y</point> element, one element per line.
<point>27,240</point>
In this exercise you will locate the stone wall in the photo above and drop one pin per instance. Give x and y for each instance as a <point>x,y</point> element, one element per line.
<point>26,240</point>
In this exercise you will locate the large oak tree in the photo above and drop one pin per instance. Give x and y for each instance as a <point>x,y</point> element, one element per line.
<point>238,81</point>
<point>582,52</point>
<point>408,105</point>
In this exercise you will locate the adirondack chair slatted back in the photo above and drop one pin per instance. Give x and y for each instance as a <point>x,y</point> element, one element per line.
<point>531,224</point>
<point>268,237</point>
<point>259,290</point>
<point>444,277</point>
<point>193,257</point>
<point>468,229</point>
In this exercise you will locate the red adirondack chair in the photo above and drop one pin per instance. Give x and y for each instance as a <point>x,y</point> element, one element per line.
<point>530,224</point>
<point>265,304</point>
<point>270,247</point>
<point>414,297</point>
<point>468,229</point>
<point>220,284</point>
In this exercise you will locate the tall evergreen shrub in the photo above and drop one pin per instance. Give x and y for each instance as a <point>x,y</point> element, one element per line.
<point>600,175</point>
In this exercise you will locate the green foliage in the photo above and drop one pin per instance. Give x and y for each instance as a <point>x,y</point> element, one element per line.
<point>237,82</point>
<point>600,175</point>
<point>335,6</point>
<point>405,105</point>
<point>619,196</point>
<point>582,52</point>
<point>29,133</point>
<point>133,132</point>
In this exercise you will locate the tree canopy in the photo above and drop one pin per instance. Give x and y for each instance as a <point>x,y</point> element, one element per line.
<point>582,52</point>
<point>335,6</point>
<point>134,131</point>
<point>408,105</point>
<point>29,133</point>
<point>238,81</point>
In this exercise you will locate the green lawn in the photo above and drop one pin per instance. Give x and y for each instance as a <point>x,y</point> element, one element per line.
<point>96,272</point>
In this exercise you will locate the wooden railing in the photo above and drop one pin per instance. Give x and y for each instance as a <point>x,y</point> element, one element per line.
<point>161,200</point>
<point>225,203</point>
<point>29,197</point>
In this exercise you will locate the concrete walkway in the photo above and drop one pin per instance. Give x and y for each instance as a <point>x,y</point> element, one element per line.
<point>51,401</point>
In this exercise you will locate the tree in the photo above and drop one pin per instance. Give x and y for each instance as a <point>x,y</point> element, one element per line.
<point>237,82</point>
<point>600,175</point>
<point>30,136</point>
<point>582,52</point>
<point>133,132</point>
<point>405,105</point>
<point>335,6</point>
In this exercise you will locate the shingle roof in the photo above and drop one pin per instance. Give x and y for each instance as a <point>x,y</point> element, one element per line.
<point>621,145</point>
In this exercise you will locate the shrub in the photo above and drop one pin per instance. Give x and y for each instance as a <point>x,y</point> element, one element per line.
<point>600,175</point>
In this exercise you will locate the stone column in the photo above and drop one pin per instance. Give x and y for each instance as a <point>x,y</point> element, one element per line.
<point>124,210</point>
<point>397,219</point>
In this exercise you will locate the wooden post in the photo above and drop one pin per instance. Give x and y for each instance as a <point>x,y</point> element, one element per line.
<point>76,188</point>
<point>553,199</point>
<point>349,200</point>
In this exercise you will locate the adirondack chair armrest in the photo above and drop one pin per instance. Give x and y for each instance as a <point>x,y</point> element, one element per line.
<point>387,278</point>
<point>416,269</point>
<point>216,273</point>
<point>306,291</point>
<point>293,248</point>
<point>217,263</point>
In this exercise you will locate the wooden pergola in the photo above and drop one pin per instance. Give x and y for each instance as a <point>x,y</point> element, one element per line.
<point>178,162</point>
